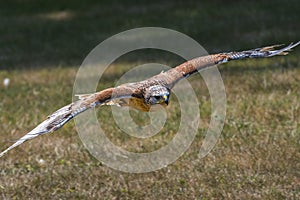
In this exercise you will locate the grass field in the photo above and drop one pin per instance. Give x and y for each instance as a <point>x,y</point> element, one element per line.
<point>42,45</point>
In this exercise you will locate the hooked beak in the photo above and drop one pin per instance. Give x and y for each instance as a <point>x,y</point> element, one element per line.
<point>166,99</point>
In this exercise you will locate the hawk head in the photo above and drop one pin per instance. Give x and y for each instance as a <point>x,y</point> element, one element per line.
<point>157,94</point>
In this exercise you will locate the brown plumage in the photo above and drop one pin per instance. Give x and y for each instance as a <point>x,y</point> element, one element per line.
<point>142,95</point>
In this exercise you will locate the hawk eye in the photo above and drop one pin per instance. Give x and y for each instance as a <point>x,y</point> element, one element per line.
<point>157,97</point>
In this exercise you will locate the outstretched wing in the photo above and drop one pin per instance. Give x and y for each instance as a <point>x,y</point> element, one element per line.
<point>172,76</point>
<point>65,114</point>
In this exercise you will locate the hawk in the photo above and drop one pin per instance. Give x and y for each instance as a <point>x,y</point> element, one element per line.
<point>144,94</point>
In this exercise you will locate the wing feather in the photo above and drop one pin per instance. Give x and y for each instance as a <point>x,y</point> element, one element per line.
<point>172,76</point>
<point>60,117</point>
<point>263,52</point>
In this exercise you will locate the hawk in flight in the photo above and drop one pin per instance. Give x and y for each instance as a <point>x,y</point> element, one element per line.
<point>144,94</point>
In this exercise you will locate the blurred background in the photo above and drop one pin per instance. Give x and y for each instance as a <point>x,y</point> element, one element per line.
<point>42,45</point>
<point>46,33</point>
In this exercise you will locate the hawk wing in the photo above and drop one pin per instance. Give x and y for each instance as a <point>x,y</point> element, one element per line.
<point>172,76</point>
<point>66,113</point>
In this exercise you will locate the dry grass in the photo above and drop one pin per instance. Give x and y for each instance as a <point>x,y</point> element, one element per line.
<point>257,155</point>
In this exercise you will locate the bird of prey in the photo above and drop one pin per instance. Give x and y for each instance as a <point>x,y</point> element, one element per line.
<point>144,94</point>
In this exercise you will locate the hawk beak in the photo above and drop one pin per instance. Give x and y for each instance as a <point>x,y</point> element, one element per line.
<point>166,99</point>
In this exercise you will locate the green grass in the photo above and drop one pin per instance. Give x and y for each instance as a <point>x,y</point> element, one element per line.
<point>42,44</point>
